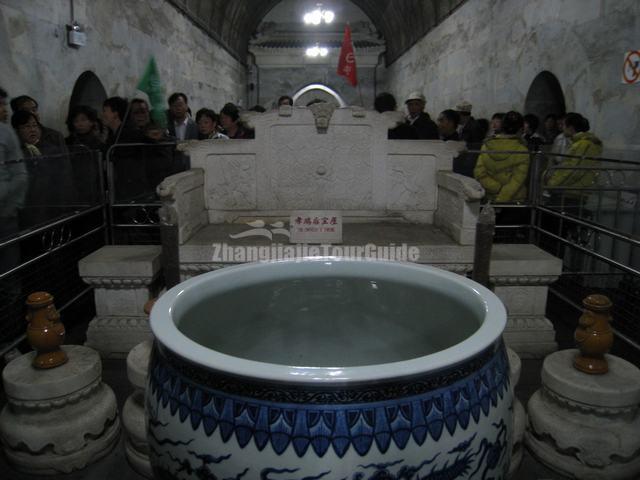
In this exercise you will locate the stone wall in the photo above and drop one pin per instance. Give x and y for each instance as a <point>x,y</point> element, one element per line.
<point>489,51</point>
<point>121,36</point>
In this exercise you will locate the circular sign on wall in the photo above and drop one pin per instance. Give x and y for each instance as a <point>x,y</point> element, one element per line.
<point>631,67</point>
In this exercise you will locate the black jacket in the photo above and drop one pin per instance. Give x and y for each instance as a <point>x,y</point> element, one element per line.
<point>425,127</point>
<point>191,132</point>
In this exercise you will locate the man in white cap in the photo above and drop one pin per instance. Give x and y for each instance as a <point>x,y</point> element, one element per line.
<point>419,119</point>
<point>465,127</point>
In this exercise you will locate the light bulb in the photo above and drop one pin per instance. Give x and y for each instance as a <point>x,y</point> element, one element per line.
<point>328,16</point>
<point>324,51</point>
<point>316,17</point>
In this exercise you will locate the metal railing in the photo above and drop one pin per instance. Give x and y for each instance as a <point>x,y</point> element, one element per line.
<point>593,225</point>
<point>55,210</point>
<point>53,214</point>
<point>134,170</point>
<point>594,228</point>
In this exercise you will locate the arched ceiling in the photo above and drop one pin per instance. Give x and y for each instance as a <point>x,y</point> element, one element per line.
<point>401,22</point>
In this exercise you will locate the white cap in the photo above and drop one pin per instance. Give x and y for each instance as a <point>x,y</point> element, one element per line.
<point>417,95</point>
<point>464,107</point>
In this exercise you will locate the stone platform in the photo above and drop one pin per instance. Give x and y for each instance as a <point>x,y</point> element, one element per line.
<point>124,278</point>
<point>58,420</point>
<point>586,426</point>
<point>201,252</point>
<point>133,419</point>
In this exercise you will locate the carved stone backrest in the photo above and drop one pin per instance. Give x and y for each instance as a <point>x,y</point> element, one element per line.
<point>351,167</point>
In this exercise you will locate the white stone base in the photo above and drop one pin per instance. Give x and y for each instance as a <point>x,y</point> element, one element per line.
<point>136,446</point>
<point>114,337</point>
<point>519,416</point>
<point>58,420</point>
<point>586,426</point>
<point>519,423</point>
<point>530,336</point>
<point>133,419</point>
<point>124,277</point>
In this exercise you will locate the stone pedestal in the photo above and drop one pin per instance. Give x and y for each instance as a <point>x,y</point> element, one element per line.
<point>133,420</point>
<point>519,416</point>
<point>586,426</point>
<point>57,420</point>
<point>124,277</point>
<point>521,275</point>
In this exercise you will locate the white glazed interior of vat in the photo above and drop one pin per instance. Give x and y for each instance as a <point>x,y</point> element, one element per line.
<point>327,319</point>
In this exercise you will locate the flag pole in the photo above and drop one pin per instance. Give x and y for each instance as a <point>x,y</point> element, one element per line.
<point>353,46</point>
<point>360,94</point>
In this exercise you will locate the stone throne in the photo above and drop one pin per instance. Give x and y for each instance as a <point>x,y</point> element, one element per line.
<point>389,192</point>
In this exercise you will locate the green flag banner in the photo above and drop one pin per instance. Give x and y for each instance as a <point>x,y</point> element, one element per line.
<point>150,84</point>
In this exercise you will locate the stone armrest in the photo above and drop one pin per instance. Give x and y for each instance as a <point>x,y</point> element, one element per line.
<point>458,206</point>
<point>182,197</point>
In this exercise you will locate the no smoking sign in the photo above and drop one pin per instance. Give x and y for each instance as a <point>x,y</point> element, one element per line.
<point>631,67</point>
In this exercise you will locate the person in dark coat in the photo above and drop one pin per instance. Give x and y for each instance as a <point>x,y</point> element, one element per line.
<point>181,125</point>
<point>129,166</point>
<point>385,102</point>
<point>161,157</point>
<point>85,128</point>
<point>49,136</point>
<point>50,191</point>
<point>232,125</point>
<point>86,136</point>
<point>208,121</point>
<point>285,100</point>
<point>419,119</point>
<point>531,136</point>
<point>140,115</point>
<point>448,125</point>
<point>466,126</point>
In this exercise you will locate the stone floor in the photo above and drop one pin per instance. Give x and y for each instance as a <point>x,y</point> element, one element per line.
<point>115,465</point>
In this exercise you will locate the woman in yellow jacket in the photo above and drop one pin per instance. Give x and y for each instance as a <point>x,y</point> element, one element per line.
<point>501,173</point>
<point>583,144</point>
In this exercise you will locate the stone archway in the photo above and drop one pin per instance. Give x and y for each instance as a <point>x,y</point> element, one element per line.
<point>545,96</point>
<point>88,90</point>
<point>320,92</point>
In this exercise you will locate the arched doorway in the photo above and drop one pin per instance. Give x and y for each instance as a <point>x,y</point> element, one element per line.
<point>317,91</point>
<point>88,90</point>
<point>545,96</point>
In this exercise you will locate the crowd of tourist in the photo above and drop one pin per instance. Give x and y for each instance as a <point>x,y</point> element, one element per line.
<point>500,161</point>
<point>503,145</point>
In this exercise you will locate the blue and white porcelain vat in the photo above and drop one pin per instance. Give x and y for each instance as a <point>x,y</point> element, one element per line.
<point>329,369</point>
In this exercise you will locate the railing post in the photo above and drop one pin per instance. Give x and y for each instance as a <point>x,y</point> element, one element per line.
<point>483,245</point>
<point>170,247</point>
<point>110,193</point>
<point>535,190</point>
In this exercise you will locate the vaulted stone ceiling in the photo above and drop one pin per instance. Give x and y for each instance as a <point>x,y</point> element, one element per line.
<point>401,22</point>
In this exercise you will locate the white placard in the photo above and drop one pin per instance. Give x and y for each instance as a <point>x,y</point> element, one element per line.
<point>316,226</point>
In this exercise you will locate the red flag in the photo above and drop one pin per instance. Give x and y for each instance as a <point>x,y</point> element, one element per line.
<point>347,62</point>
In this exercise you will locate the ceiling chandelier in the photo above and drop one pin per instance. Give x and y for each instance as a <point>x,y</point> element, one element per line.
<point>319,15</point>
<point>317,51</point>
